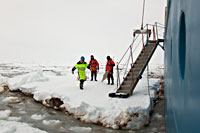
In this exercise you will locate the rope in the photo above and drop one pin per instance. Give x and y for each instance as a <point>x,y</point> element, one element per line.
<point>160,24</point>
<point>143,15</point>
<point>128,49</point>
<point>126,66</point>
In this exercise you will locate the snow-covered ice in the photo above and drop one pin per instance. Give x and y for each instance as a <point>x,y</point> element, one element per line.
<point>5,114</point>
<point>17,127</point>
<point>51,122</point>
<point>10,100</point>
<point>22,112</point>
<point>1,89</point>
<point>3,79</point>
<point>81,129</point>
<point>37,117</point>
<point>14,118</point>
<point>10,124</point>
<point>91,105</point>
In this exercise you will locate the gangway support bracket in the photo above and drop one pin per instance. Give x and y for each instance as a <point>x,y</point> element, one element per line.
<point>161,40</point>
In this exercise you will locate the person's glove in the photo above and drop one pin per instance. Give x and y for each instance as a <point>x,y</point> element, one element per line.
<point>90,69</point>
<point>72,72</point>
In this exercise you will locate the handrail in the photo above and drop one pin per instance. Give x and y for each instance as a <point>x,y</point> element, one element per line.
<point>128,49</point>
<point>157,25</point>
<point>130,45</point>
<point>132,50</point>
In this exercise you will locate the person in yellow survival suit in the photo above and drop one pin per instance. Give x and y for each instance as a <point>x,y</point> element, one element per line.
<point>81,66</point>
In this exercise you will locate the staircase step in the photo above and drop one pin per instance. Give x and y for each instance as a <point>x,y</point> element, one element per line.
<point>124,91</point>
<point>145,54</point>
<point>140,62</point>
<point>137,66</point>
<point>135,72</point>
<point>147,50</point>
<point>151,46</point>
<point>130,77</point>
<point>143,57</point>
<point>125,87</point>
<point>152,41</point>
<point>128,82</point>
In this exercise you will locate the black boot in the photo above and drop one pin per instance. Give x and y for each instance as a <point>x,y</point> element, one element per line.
<point>81,84</point>
<point>95,76</point>
<point>91,76</point>
<point>108,82</point>
<point>108,79</point>
<point>112,78</point>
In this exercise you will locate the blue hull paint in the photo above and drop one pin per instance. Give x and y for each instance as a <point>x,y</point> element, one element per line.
<point>182,66</point>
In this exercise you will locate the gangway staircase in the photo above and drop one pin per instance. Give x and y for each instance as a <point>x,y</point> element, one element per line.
<point>129,83</point>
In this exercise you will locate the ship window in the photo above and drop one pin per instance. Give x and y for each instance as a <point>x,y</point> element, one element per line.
<point>182,45</point>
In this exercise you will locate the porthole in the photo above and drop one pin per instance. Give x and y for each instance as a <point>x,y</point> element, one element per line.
<point>182,44</point>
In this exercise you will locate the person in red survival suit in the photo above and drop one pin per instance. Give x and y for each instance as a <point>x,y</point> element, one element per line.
<point>109,67</point>
<point>94,66</point>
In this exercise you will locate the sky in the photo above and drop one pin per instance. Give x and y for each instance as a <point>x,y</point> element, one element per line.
<point>61,31</point>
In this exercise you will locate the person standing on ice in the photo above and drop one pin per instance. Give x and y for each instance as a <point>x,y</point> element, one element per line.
<point>81,66</point>
<point>94,67</point>
<point>109,68</point>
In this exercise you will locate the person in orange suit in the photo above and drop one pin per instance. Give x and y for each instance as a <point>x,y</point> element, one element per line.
<point>109,67</point>
<point>94,67</point>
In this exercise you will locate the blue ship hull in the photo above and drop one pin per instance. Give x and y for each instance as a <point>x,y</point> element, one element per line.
<point>182,66</point>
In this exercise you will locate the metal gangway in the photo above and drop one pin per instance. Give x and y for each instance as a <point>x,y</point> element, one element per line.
<point>134,67</point>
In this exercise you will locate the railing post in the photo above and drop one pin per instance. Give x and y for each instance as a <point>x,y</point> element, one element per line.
<point>131,55</point>
<point>118,76</point>
<point>156,30</point>
<point>147,34</point>
<point>154,34</point>
<point>143,41</point>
